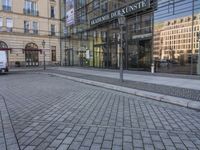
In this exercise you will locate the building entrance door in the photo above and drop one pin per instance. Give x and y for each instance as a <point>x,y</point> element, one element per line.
<point>31,58</point>
<point>69,57</point>
<point>139,54</point>
<point>113,56</point>
<point>144,53</point>
<point>31,55</point>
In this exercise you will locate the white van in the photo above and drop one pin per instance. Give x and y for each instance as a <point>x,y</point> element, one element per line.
<point>3,62</point>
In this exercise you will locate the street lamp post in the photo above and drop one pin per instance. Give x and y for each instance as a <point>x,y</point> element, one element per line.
<point>121,21</point>
<point>43,45</point>
<point>198,64</point>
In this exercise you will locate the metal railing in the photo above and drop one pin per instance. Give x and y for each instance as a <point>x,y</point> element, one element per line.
<point>6,8</point>
<point>35,31</point>
<point>26,30</point>
<point>31,12</point>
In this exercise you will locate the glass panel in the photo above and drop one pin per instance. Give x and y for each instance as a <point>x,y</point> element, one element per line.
<point>139,41</point>
<point>26,26</point>
<point>173,38</point>
<point>9,22</point>
<point>52,11</point>
<point>7,2</point>
<point>196,38</point>
<point>113,55</point>
<point>53,53</point>
<point>52,29</point>
<point>98,57</point>
<point>32,58</point>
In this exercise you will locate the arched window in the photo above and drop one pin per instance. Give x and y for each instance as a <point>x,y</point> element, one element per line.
<point>31,46</point>
<point>3,45</point>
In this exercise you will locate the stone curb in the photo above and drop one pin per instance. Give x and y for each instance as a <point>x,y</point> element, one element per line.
<point>155,96</point>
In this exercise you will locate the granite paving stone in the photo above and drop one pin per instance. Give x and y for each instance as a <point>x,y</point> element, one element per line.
<point>45,112</point>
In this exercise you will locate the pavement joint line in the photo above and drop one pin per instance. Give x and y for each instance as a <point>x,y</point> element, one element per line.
<point>5,112</point>
<point>191,104</point>
<point>123,128</point>
<point>3,130</point>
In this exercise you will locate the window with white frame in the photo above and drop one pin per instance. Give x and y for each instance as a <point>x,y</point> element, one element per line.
<point>30,5</point>
<point>9,24</point>
<point>26,26</point>
<point>53,53</point>
<point>7,4</point>
<point>35,27</point>
<point>30,8</point>
<point>52,11</point>
<point>53,29</point>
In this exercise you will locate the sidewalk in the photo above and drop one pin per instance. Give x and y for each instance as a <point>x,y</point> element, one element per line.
<point>150,89</point>
<point>181,90</point>
<point>167,81</point>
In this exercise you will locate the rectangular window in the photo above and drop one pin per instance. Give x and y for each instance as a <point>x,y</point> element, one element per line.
<point>1,23</point>
<point>104,7</point>
<point>30,8</point>
<point>30,5</point>
<point>9,24</point>
<point>52,12</point>
<point>7,4</point>
<point>26,26</point>
<point>35,27</point>
<point>96,4</point>
<point>53,53</point>
<point>53,30</point>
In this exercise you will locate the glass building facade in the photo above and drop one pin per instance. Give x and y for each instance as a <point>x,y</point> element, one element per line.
<point>159,32</point>
<point>176,46</point>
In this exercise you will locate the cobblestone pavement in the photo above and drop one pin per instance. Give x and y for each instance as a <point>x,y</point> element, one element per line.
<point>48,113</point>
<point>155,88</point>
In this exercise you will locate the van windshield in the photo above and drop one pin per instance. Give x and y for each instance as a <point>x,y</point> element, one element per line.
<point>3,56</point>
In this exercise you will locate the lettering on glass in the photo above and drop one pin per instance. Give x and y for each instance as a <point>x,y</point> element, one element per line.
<point>132,8</point>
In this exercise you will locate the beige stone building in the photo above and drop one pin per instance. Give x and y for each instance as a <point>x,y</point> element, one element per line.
<point>24,26</point>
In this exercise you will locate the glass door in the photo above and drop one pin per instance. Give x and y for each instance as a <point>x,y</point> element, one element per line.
<point>32,58</point>
<point>98,57</point>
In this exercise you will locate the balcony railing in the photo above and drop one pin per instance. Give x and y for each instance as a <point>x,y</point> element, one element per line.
<point>52,15</point>
<point>6,8</point>
<point>31,12</point>
<point>26,30</point>
<point>35,31</point>
<point>53,33</point>
<point>9,29</point>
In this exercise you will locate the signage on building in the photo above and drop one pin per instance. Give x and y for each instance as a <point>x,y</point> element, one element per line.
<point>127,10</point>
<point>70,18</point>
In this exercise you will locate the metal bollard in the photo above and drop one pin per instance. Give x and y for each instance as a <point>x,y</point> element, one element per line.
<point>152,68</point>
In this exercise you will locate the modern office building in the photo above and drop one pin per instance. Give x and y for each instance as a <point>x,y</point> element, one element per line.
<point>159,32</point>
<point>28,30</point>
<point>93,37</point>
